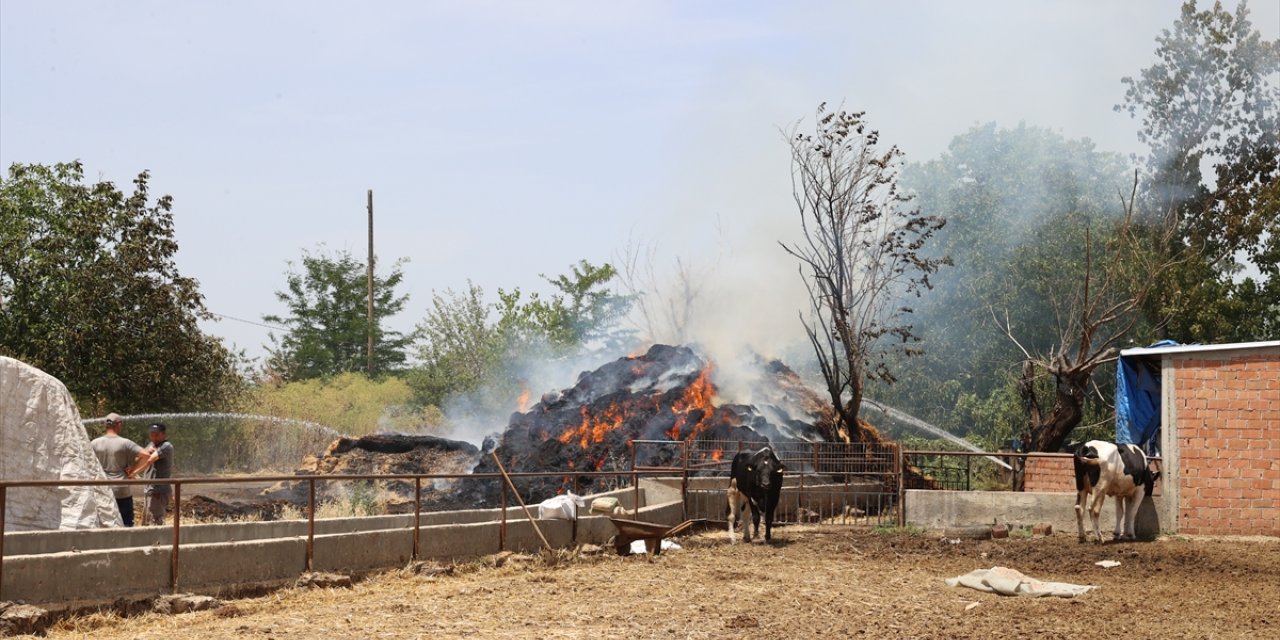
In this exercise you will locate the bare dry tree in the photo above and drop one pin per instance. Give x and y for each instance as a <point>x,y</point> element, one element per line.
<point>1094,318</point>
<point>860,254</point>
<point>664,309</point>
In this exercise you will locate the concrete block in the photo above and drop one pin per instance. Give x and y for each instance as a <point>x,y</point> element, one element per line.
<point>946,509</point>
<point>91,575</point>
<point>362,551</point>
<point>238,563</point>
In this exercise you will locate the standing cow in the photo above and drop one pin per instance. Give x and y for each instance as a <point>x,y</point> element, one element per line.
<point>755,483</point>
<point>1107,469</point>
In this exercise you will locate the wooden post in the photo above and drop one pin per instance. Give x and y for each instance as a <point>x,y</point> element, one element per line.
<point>515,491</point>
<point>370,331</point>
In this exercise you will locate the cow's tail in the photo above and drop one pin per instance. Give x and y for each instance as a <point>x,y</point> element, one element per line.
<point>1082,464</point>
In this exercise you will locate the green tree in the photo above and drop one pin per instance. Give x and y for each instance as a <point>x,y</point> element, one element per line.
<point>328,324</point>
<point>1210,99</point>
<point>90,293</point>
<point>459,348</point>
<point>465,344</point>
<point>1018,203</point>
<point>583,310</point>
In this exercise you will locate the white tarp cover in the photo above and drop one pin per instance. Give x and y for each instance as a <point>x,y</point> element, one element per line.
<point>42,438</point>
<point>1011,582</point>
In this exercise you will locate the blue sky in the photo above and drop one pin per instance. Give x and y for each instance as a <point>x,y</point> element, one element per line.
<point>504,140</point>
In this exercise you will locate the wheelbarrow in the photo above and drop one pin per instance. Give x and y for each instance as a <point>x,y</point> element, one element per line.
<point>631,530</point>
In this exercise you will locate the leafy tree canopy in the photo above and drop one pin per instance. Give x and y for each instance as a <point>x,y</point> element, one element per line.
<point>465,344</point>
<point>328,323</point>
<point>90,293</point>
<point>1018,203</point>
<point>1211,101</point>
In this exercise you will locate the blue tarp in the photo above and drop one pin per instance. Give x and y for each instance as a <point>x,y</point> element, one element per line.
<point>1138,401</point>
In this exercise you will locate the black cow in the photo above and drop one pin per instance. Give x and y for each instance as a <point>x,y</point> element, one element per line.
<point>755,483</point>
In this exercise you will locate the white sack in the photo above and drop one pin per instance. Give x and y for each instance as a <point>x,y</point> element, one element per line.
<point>563,507</point>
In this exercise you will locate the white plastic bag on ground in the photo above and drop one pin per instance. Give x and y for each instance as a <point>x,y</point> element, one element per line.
<point>563,507</point>
<point>1011,582</point>
<point>638,548</point>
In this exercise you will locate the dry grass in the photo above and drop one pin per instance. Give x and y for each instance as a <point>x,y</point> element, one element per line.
<point>813,582</point>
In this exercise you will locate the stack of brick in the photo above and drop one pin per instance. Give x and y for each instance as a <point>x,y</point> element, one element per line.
<point>1050,472</point>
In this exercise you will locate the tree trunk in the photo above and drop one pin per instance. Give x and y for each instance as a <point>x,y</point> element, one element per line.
<point>846,409</point>
<point>849,409</point>
<point>1068,409</point>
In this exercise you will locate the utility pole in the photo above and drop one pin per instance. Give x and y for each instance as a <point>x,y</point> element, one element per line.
<point>370,350</point>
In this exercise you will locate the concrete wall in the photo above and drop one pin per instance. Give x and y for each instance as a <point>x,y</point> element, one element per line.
<point>49,571</point>
<point>42,542</point>
<point>1221,440</point>
<point>947,509</point>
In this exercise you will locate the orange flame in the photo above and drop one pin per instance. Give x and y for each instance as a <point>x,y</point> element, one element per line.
<point>717,455</point>
<point>674,433</point>
<point>699,395</point>
<point>592,430</point>
<point>523,403</point>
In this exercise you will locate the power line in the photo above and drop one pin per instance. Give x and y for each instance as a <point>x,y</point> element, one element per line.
<point>256,324</point>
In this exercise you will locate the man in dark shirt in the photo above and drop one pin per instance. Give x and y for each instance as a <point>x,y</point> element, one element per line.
<point>160,459</point>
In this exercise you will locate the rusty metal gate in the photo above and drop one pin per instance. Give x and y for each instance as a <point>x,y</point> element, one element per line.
<point>824,483</point>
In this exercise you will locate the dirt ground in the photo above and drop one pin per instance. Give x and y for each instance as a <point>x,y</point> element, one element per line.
<point>811,583</point>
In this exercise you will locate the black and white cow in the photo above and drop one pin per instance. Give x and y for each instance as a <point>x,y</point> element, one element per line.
<point>1107,469</point>
<point>755,483</point>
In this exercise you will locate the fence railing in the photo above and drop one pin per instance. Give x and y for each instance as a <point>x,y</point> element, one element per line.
<point>311,480</point>
<point>971,470</point>
<point>846,482</point>
<point>828,482</point>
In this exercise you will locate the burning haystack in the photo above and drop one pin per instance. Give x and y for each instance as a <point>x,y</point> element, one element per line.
<point>665,394</point>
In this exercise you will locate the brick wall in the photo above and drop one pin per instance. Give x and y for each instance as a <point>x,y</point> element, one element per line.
<point>1228,431</point>
<point>1056,472</point>
<point>1050,473</point>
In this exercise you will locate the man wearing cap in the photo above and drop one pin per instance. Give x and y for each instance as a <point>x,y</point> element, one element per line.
<point>159,456</point>
<point>116,454</point>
